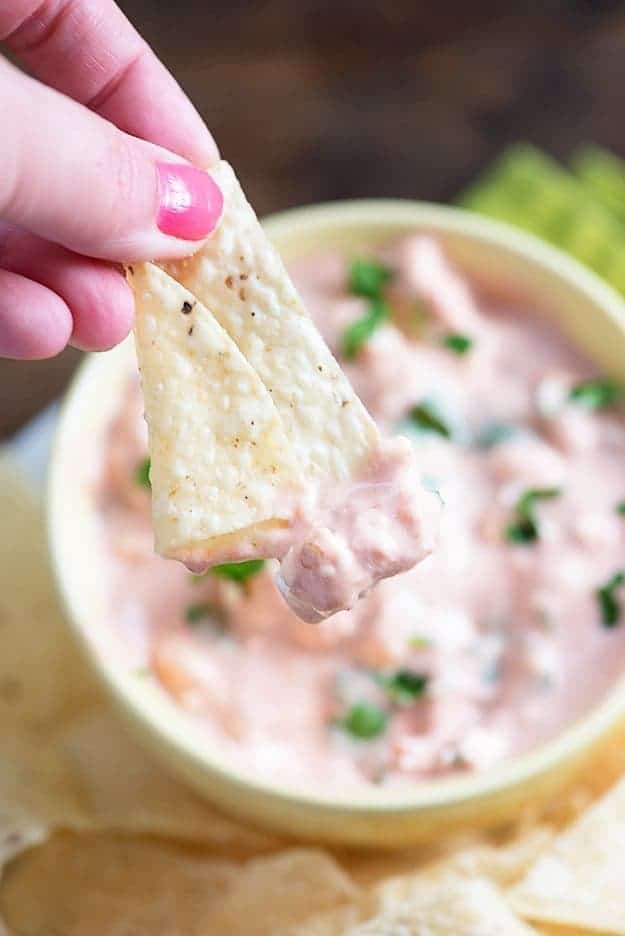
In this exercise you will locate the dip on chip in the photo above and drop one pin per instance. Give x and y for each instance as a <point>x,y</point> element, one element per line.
<point>259,445</point>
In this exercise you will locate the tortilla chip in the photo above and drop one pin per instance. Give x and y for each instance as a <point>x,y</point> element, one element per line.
<point>336,922</point>
<point>240,277</point>
<point>101,884</point>
<point>580,880</point>
<point>220,461</point>
<point>502,865</point>
<point>506,863</point>
<point>462,908</point>
<point>274,894</point>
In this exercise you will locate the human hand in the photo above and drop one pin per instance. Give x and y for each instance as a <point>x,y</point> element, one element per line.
<point>97,169</point>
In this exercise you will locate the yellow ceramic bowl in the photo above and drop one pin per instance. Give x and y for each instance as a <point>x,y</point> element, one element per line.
<point>582,305</point>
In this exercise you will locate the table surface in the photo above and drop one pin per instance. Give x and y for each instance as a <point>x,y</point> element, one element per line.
<point>315,101</point>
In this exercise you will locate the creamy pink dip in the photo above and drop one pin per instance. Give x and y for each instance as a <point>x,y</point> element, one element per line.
<point>488,647</point>
<point>339,543</point>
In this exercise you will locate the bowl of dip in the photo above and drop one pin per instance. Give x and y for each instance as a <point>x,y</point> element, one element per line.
<point>450,695</point>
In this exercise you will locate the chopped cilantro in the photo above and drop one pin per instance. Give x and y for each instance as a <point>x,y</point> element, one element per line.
<point>620,508</point>
<point>195,614</point>
<point>493,434</point>
<point>459,344</point>
<point>597,394</point>
<point>609,605</point>
<point>367,278</point>
<point>425,417</point>
<point>142,473</point>
<point>404,685</point>
<point>364,721</point>
<point>524,529</point>
<point>238,571</point>
<point>356,334</point>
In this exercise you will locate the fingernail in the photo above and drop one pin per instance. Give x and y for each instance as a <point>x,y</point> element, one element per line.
<point>190,202</point>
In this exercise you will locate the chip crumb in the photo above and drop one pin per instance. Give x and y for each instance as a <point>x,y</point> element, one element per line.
<point>229,281</point>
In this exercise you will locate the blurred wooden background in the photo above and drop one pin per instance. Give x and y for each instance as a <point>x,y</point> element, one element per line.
<point>315,100</point>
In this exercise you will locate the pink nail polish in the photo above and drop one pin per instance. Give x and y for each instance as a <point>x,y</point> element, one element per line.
<point>190,202</point>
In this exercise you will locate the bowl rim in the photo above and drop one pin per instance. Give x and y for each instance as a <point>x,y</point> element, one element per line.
<point>137,698</point>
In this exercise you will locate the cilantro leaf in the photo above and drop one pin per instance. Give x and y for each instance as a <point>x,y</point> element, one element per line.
<point>459,344</point>
<point>367,278</point>
<point>364,721</point>
<point>609,605</point>
<point>142,473</point>
<point>196,614</point>
<point>356,334</point>
<point>524,529</point>
<point>620,508</point>
<point>597,394</point>
<point>238,571</point>
<point>425,417</point>
<point>404,685</point>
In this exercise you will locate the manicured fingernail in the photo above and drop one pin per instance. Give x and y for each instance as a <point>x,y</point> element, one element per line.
<point>190,202</point>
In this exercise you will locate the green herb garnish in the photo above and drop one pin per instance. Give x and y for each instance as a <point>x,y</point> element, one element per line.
<point>620,508</point>
<point>424,416</point>
<point>609,605</point>
<point>367,278</point>
<point>356,334</point>
<point>597,394</point>
<point>142,473</point>
<point>524,529</point>
<point>405,685</point>
<point>238,571</point>
<point>457,343</point>
<point>195,614</point>
<point>364,721</point>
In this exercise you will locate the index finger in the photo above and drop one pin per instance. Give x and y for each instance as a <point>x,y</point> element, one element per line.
<point>89,50</point>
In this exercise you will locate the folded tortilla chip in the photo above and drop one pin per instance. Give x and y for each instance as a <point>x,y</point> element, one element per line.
<point>222,470</point>
<point>240,277</point>
<point>580,880</point>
